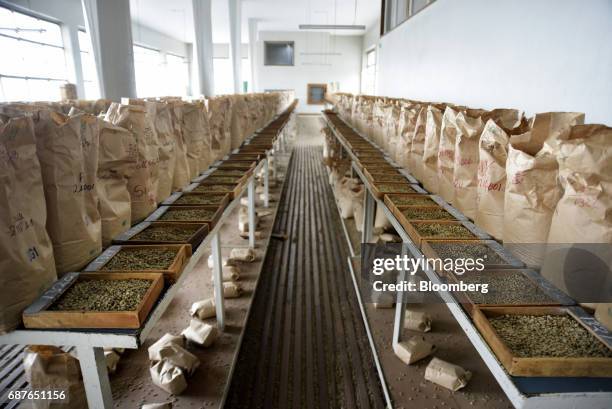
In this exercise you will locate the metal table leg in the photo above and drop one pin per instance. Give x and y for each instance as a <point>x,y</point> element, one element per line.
<point>252,213</point>
<point>368,216</point>
<point>218,280</point>
<point>400,308</point>
<point>95,377</point>
<point>266,184</point>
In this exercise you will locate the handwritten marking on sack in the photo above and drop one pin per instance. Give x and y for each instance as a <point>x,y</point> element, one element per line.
<point>518,178</point>
<point>32,253</point>
<point>9,157</point>
<point>20,225</point>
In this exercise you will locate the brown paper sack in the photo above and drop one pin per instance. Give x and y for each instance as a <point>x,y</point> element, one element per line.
<point>200,333</point>
<point>206,156</point>
<point>417,321</point>
<point>117,157</point>
<point>193,134</point>
<point>67,148</point>
<point>182,175</point>
<point>143,182</point>
<point>583,213</point>
<point>470,125</point>
<point>231,290</point>
<point>532,190</point>
<point>491,186</point>
<point>112,360</point>
<point>229,273</point>
<point>48,367</point>
<point>417,144</point>
<point>27,266</point>
<point>162,405</point>
<point>447,375</point>
<point>446,154</point>
<point>168,377</point>
<point>203,309</point>
<point>180,357</point>
<point>167,339</point>
<point>413,350</point>
<point>162,120</point>
<point>242,254</point>
<point>433,127</point>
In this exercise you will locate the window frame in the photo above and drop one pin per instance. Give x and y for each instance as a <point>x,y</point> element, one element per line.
<point>266,61</point>
<point>310,100</point>
<point>29,13</point>
<point>389,14</point>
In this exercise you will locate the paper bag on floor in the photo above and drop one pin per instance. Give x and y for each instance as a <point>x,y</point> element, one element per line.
<point>180,357</point>
<point>167,339</point>
<point>200,333</point>
<point>230,273</point>
<point>532,189</point>
<point>417,321</point>
<point>112,360</point>
<point>162,405</point>
<point>413,350</point>
<point>231,290</point>
<point>47,368</point>
<point>242,254</point>
<point>447,375</point>
<point>168,377</point>
<point>203,309</point>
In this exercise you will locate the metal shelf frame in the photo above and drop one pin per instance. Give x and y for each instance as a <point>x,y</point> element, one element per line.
<point>556,400</point>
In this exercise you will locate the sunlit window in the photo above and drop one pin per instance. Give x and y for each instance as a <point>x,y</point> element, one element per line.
<point>368,77</point>
<point>224,75</point>
<point>90,76</point>
<point>33,63</point>
<point>177,75</point>
<point>149,72</point>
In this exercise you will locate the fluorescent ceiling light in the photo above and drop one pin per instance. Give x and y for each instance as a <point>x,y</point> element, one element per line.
<point>331,27</point>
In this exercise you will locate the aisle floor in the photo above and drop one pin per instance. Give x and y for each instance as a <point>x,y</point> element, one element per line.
<point>305,344</point>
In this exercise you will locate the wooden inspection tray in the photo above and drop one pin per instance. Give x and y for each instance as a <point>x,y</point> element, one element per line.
<point>171,273</point>
<point>156,216</point>
<point>542,366</point>
<point>418,239</point>
<point>38,314</point>
<point>200,231</point>
<point>216,199</point>
<point>396,188</point>
<point>233,190</point>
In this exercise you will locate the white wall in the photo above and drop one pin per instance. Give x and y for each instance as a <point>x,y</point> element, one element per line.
<point>542,55</point>
<point>316,69</point>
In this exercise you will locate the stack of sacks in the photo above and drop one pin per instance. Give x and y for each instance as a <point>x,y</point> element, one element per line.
<point>27,266</point>
<point>532,188</point>
<point>171,363</point>
<point>144,178</point>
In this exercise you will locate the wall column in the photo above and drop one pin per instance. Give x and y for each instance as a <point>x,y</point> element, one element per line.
<point>253,53</point>
<point>110,28</point>
<point>203,55</point>
<point>235,19</point>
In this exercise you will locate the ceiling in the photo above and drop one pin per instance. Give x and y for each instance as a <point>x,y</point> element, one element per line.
<point>175,18</point>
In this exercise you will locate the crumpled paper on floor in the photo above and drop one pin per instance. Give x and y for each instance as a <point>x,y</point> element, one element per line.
<point>167,339</point>
<point>413,350</point>
<point>447,375</point>
<point>242,254</point>
<point>168,377</point>
<point>201,333</point>
<point>203,309</point>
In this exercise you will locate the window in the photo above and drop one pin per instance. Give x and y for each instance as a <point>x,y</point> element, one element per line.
<point>88,63</point>
<point>398,11</point>
<point>149,73</point>
<point>33,66</point>
<point>177,75</point>
<point>278,52</point>
<point>368,76</point>
<point>224,75</point>
<point>316,94</point>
